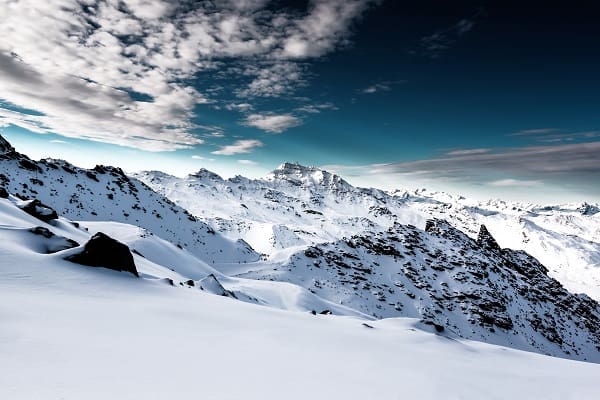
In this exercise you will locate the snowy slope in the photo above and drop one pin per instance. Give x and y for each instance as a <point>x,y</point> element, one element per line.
<point>107,194</point>
<point>156,259</point>
<point>297,206</point>
<point>71,332</point>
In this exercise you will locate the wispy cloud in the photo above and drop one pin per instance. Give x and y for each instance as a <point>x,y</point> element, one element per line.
<point>120,71</point>
<point>538,131</point>
<point>437,43</point>
<point>239,147</point>
<point>574,165</point>
<point>273,123</point>
<point>509,182</point>
<point>383,86</point>
<point>316,108</point>
<point>465,152</point>
<point>553,135</point>
<point>241,107</point>
<point>247,162</point>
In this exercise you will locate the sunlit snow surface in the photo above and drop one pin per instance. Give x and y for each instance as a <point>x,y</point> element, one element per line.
<point>75,332</point>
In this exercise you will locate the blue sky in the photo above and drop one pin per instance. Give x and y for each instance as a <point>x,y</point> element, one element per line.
<point>488,99</point>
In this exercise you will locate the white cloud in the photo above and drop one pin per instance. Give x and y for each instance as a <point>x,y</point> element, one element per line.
<point>197,157</point>
<point>247,162</point>
<point>514,183</point>
<point>466,152</point>
<point>323,28</point>
<point>272,79</point>
<point>272,123</point>
<point>241,107</point>
<point>116,71</point>
<point>316,108</point>
<point>384,86</point>
<point>239,147</point>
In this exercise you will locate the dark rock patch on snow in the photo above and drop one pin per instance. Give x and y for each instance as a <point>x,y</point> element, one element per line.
<point>52,243</point>
<point>103,251</point>
<point>38,210</point>
<point>485,239</point>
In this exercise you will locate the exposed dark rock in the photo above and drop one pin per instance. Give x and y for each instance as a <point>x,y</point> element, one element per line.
<point>588,209</point>
<point>103,251</point>
<point>29,165</point>
<point>92,176</point>
<point>4,145</point>
<point>485,239</point>
<point>55,243</point>
<point>212,285</point>
<point>38,210</point>
<point>3,193</point>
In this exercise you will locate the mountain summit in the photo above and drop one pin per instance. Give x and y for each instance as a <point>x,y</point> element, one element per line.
<point>300,175</point>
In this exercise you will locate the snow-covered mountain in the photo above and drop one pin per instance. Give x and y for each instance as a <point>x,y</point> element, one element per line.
<point>72,330</point>
<point>473,288</point>
<point>297,206</point>
<point>363,278</point>
<point>107,194</point>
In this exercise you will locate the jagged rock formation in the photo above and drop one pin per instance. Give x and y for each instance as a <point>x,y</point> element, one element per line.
<point>485,239</point>
<point>6,148</point>
<point>103,251</point>
<point>471,288</point>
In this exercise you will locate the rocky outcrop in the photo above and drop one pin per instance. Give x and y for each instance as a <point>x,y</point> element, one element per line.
<point>6,148</point>
<point>471,288</point>
<point>38,210</point>
<point>212,285</point>
<point>52,243</point>
<point>103,251</point>
<point>486,240</point>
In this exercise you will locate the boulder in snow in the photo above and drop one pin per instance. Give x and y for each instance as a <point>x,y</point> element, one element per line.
<point>103,251</point>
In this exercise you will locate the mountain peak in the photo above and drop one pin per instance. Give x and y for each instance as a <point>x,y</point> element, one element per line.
<point>295,167</point>
<point>5,146</point>
<point>485,239</point>
<point>203,173</point>
<point>299,174</point>
<point>588,209</point>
